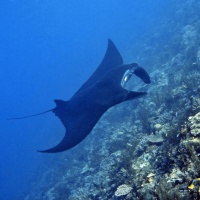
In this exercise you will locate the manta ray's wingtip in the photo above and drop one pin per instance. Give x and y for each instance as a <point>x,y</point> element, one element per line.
<point>109,40</point>
<point>42,151</point>
<point>39,151</point>
<point>111,43</point>
<point>62,146</point>
<point>46,151</point>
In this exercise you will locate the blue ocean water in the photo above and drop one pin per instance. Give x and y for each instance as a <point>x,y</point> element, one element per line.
<point>47,50</point>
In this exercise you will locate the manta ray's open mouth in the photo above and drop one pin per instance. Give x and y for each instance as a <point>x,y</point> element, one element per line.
<point>136,84</point>
<point>126,77</point>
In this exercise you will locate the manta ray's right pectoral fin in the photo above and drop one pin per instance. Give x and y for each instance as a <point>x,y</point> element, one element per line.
<point>142,74</point>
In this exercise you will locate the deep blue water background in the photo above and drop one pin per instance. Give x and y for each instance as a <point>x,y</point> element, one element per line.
<point>47,50</point>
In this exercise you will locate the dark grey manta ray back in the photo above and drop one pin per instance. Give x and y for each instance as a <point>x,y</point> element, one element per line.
<point>100,92</point>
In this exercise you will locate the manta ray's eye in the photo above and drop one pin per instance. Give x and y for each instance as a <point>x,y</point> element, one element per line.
<point>126,77</point>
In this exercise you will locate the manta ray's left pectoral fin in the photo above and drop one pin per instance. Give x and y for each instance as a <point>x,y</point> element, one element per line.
<point>133,95</point>
<point>126,95</point>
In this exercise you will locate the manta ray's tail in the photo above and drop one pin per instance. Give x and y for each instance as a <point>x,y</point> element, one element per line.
<point>29,115</point>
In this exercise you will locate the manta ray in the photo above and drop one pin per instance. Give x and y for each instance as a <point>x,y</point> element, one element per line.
<point>104,89</point>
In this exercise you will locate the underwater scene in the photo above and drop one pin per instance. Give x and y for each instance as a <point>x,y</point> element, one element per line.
<point>131,134</point>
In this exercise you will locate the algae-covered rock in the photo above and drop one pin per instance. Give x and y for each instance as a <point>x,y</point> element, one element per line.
<point>157,126</point>
<point>189,35</point>
<point>195,124</point>
<point>123,190</point>
<point>155,138</point>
